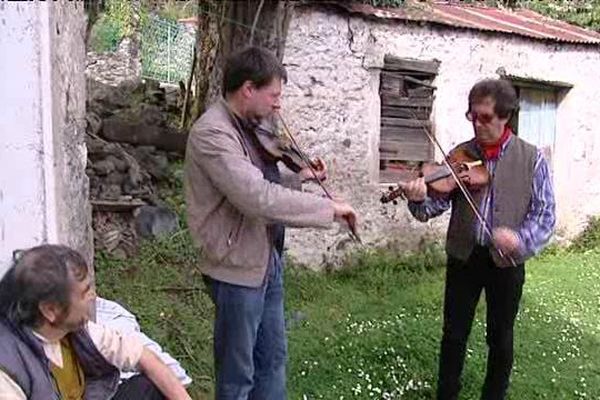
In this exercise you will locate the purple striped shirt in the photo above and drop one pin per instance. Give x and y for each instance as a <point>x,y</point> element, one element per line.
<point>537,227</point>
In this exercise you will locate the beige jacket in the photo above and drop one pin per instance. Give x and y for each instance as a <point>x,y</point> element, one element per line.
<point>230,204</point>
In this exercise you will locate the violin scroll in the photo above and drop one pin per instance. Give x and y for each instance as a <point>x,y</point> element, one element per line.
<point>392,194</point>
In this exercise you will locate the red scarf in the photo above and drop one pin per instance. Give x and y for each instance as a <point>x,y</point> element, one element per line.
<point>492,151</point>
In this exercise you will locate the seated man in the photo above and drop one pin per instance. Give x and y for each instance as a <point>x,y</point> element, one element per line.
<point>49,349</point>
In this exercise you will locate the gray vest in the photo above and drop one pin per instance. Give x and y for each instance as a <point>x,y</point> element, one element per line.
<point>512,191</point>
<point>22,357</point>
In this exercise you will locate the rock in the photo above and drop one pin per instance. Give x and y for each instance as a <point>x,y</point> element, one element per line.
<point>157,166</point>
<point>134,179</point>
<point>94,145</point>
<point>133,86</point>
<point>156,163</point>
<point>115,178</point>
<point>103,167</point>
<point>120,165</point>
<point>152,115</point>
<point>116,129</point>
<point>152,84</point>
<point>94,186</point>
<point>110,192</point>
<point>94,123</point>
<point>154,93</point>
<point>106,98</point>
<point>155,221</point>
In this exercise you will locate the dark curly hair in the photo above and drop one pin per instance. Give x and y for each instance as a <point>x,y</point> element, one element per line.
<point>501,91</point>
<point>40,274</point>
<point>255,64</point>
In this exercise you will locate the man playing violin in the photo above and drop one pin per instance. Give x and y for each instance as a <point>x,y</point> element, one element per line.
<point>518,216</point>
<point>237,207</point>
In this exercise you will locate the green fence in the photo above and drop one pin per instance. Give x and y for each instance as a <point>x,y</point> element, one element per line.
<point>167,50</point>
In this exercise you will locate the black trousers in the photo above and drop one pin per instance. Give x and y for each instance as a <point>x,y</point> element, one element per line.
<point>464,283</point>
<point>138,388</point>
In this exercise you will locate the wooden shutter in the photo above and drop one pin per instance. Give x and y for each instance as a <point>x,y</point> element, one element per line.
<point>406,92</point>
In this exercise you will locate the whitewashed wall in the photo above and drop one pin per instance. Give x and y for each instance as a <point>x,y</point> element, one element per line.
<point>43,188</point>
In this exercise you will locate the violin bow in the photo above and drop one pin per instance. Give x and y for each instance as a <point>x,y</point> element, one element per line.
<point>353,233</point>
<point>466,194</point>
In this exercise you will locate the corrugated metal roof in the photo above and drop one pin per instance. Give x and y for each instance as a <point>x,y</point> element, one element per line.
<point>518,22</point>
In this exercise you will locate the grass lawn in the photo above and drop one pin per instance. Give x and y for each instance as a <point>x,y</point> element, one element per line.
<point>372,330</point>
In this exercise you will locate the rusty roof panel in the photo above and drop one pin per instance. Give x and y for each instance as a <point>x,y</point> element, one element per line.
<point>525,23</point>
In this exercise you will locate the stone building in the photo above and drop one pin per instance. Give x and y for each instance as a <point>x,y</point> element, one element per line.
<point>363,82</point>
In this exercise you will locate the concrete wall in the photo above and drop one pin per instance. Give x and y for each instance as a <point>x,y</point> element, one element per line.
<point>43,188</point>
<point>332,100</point>
<point>68,59</point>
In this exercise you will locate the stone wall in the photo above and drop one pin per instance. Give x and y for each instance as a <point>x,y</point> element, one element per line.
<point>125,174</point>
<point>114,68</point>
<point>332,101</point>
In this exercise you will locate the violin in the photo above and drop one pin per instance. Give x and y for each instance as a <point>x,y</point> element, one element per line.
<point>439,180</point>
<point>281,148</point>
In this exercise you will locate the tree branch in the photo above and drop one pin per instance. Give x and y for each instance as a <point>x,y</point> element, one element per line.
<point>256,16</point>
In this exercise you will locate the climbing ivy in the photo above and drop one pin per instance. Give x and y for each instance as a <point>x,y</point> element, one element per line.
<point>583,13</point>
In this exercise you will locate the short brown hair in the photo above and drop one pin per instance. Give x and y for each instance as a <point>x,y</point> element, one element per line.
<point>255,64</point>
<point>501,91</point>
<point>42,273</point>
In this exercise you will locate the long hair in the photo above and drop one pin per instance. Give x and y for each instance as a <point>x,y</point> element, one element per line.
<point>41,274</point>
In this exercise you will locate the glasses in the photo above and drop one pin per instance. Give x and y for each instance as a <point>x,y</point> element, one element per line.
<point>482,118</point>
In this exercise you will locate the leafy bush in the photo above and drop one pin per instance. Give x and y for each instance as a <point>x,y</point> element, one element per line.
<point>175,10</point>
<point>589,238</point>
<point>106,34</point>
<point>115,23</point>
<point>578,12</point>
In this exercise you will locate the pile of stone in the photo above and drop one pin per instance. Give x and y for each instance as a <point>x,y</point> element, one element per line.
<point>131,144</point>
<point>116,67</point>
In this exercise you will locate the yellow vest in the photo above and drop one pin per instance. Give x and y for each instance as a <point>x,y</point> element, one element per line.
<point>69,380</point>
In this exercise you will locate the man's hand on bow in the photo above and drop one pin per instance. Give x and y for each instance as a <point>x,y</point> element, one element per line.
<point>506,240</point>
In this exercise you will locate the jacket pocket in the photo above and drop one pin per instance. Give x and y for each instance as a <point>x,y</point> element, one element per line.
<point>220,231</point>
<point>234,234</point>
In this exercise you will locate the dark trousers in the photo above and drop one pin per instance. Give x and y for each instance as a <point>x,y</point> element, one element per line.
<point>250,347</point>
<point>464,283</point>
<point>138,388</point>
